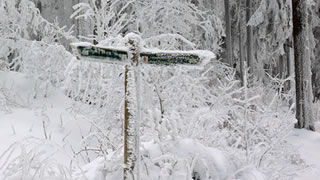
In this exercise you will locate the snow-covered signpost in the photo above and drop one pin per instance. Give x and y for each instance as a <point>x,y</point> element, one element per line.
<point>132,57</point>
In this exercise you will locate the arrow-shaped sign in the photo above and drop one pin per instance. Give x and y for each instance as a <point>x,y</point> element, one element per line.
<point>114,55</point>
<point>91,52</point>
<point>168,58</point>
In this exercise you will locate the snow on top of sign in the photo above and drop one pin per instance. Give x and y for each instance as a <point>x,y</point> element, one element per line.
<point>120,48</point>
<point>81,44</point>
<point>205,55</point>
<point>111,47</point>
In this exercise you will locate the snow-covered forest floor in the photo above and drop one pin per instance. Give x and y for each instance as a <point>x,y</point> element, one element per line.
<point>308,145</point>
<point>46,135</point>
<point>230,117</point>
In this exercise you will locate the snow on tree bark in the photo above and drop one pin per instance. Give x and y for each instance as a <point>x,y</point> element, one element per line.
<point>132,112</point>
<point>302,65</point>
<point>129,125</point>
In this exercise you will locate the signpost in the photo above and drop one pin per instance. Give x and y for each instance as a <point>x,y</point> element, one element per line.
<point>132,58</point>
<point>165,58</point>
<point>91,52</point>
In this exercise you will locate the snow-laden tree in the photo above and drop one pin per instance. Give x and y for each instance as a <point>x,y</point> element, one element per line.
<point>169,24</point>
<point>29,43</point>
<point>107,18</point>
<point>22,20</point>
<point>157,19</point>
<point>273,23</point>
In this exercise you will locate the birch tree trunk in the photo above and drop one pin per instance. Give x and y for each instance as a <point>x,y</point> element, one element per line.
<point>228,33</point>
<point>302,65</point>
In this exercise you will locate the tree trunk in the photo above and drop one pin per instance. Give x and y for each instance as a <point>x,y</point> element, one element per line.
<point>282,73</point>
<point>287,46</point>
<point>228,34</point>
<point>95,26</point>
<point>249,36</point>
<point>240,46</point>
<point>302,65</point>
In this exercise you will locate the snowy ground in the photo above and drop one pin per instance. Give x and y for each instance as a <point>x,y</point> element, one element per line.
<point>42,127</point>
<point>308,145</point>
<point>49,121</point>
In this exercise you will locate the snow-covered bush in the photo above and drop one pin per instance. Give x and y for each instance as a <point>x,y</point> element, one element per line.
<point>22,20</point>
<point>28,44</point>
<point>44,62</point>
<point>32,159</point>
<point>242,122</point>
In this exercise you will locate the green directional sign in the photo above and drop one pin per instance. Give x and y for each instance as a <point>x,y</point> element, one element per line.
<point>165,58</point>
<point>99,53</point>
<point>111,55</point>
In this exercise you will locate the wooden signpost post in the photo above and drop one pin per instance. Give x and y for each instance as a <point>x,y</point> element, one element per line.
<point>132,58</point>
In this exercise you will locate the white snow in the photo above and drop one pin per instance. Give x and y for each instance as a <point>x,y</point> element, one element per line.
<point>45,126</point>
<point>49,128</point>
<point>308,145</point>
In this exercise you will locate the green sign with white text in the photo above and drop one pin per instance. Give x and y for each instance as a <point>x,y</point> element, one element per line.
<point>169,58</point>
<point>100,53</point>
<point>111,55</point>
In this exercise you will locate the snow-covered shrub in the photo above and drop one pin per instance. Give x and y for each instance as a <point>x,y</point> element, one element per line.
<point>44,62</point>
<point>174,160</point>
<point>32,159</point>
<point>244,122</point>
<point>94,83</point>
<point>22,20</point>
<point>28,44</point>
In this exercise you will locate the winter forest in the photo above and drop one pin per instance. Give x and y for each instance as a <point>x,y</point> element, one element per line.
<point>159,89</point>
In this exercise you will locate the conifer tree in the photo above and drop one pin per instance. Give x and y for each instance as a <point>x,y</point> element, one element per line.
<point>302,65</point>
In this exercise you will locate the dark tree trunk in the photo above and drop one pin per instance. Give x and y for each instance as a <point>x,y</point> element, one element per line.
<point>228,34</point>
<point>95,26</point>
<point>287,47</point>
<point>302,65</point>
<point>241,54</point>
<point>281,67</point>
<point>249,36</point>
